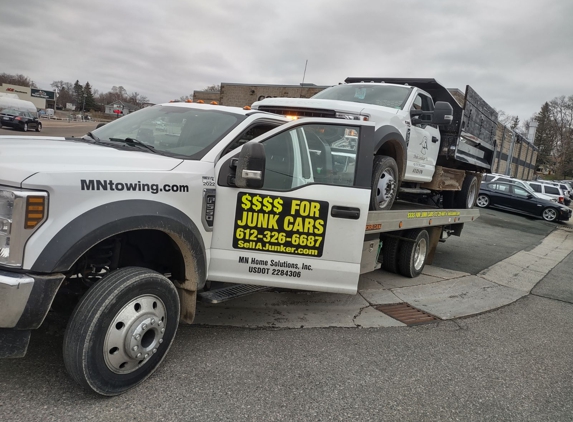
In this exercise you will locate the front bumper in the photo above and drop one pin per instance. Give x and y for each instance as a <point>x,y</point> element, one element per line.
<point>25,299</point>
<point>15,290</point>
<point>565,214</point>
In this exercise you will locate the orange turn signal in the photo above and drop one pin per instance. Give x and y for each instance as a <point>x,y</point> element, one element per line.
<point>35,211</point>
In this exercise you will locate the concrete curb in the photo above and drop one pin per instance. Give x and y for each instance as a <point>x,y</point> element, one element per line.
<point>444,293</point>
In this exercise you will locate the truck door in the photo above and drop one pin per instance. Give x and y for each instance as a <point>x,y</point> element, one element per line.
<point>304,228</point>
<point>424,143</point>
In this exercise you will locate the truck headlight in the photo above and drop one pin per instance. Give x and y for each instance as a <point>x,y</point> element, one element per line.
<point>352,116</point>
<point>6,211</point>
<point>21,213</point>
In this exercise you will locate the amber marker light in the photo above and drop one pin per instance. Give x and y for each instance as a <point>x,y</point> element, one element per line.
<point>400,225</point>
<point>35,211</point>
<point>201,102</point>
<point>214,103</point>
<point>246,108</point>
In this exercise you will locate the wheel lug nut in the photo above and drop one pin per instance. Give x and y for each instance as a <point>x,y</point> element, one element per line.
<point>135,348</point>
<point>163,330</point>
<point>138,355</point>
<point>160,340</point>
<point>144,326</point>
<point>137,336</point>
<point>160,323</point>
<point>146,355</point>
<point>152,321</point>
<point>154,350</point>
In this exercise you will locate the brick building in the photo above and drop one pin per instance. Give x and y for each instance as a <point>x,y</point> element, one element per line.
<point>515,156</point>
<point>240,95</point>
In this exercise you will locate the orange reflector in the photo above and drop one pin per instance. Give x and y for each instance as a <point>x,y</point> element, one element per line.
<point>430,222</point>
<point>201,102</point>
<point>246,108</point>
<point>400,225</point>
<point>214,103</point>
<point>35,206</point>
<point>188,101</point>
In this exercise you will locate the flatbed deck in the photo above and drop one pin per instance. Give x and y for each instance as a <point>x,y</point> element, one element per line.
<point>405,215</point>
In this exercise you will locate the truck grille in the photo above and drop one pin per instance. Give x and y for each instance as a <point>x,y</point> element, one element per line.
<point>298,112</point>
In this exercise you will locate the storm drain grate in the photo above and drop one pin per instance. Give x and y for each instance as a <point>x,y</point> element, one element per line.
<point>406,314</point>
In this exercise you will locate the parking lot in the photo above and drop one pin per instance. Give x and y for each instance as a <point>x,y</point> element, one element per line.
<point>319,362</point>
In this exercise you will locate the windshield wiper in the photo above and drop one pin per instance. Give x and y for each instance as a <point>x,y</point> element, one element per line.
<point>134,142</point>
<point>91,135</point>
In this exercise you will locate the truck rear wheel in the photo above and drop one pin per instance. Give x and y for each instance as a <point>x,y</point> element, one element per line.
<point>121,330</point>
<point>384,183</point>
<point>390,247</point>
<point>412,256</point>
<point>466,198</point>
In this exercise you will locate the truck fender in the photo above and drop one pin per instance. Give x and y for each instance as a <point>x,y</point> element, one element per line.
<point>391,143</point>
<point>97,224</point>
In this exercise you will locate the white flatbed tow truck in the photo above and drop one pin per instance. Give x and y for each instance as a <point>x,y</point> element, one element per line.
<point>125,226</point>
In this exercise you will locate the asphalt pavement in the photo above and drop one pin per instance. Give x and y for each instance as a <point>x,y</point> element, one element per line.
<point>513,363</point>
<point>501,349</point>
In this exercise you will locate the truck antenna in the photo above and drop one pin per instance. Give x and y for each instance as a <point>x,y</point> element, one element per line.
<point>303,76</point>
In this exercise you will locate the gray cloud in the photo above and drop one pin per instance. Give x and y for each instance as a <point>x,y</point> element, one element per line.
<point>516,54</point>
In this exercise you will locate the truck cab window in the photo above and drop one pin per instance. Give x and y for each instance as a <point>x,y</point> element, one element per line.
<point>249,134</point>
<point>311,154</point>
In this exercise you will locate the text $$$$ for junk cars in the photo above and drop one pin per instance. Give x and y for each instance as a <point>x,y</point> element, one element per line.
<point>280,224</point>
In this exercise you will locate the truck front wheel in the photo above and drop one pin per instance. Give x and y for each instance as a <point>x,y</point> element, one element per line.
<point>384,183</point>
<point>121,330</point>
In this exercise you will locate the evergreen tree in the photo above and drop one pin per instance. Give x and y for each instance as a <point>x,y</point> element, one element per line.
<point>90,103</point>
<point>78,95</point>
<point>545,135</point>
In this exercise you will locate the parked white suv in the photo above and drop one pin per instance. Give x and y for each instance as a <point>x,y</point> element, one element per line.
<point>548,189</point>
<point>503,178</point>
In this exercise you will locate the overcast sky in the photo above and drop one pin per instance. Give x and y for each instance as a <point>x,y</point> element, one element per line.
<point>516,54</point>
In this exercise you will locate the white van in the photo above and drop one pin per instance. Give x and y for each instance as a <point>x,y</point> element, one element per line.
<point>549,189</point>
<point>17,104</point>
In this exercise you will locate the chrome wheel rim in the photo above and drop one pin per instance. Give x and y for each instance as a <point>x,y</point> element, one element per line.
<point>420,254</point>
<point>549,214</point>
<point>472,195</point>
<point>482,201</point>
<point>386,187</point>
<point>135,334</point>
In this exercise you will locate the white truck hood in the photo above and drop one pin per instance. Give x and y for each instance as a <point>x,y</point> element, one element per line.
<point>341,106</point>
<point>21,157</point>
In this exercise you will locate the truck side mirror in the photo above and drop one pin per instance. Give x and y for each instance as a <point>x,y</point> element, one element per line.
<point>443,113</point>
<point>250,171</point>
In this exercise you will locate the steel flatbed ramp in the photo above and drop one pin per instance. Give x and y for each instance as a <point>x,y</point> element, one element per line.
<point>411,216</point>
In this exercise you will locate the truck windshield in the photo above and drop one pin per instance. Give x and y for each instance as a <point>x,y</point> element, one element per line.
<point>173,130</point>
<point>383,95</point>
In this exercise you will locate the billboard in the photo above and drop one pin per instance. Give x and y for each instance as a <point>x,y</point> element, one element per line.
<point>39,93</point>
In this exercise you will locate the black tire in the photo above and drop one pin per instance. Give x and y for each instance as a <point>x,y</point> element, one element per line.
<point>550,214</point>
<point>25,127</point>
<point>98,323</point>
<point>385,183</point>
<point>389,254</point>
<point>39,127</point>
<point>482,201</point>
<point>412,255</point>
<point>466,198</point>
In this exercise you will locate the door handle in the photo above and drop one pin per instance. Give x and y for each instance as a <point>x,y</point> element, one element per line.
<point>434,139</point>
<point>345,212</point>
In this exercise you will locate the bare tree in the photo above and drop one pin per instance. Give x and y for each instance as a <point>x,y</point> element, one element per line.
<point>213,88</point>
<point>20,80</point>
